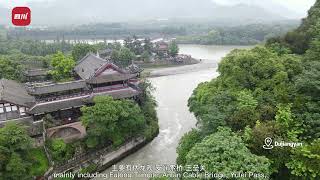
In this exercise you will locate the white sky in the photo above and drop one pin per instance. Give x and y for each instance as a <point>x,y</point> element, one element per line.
<point>300,6</point>
<point>13,3</point>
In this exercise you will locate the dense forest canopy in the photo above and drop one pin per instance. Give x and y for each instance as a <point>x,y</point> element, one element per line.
<point>268,91</point>
<point>238,35</point>
<point>299,40</point>
<point>24,48</point>
<point>187,31</point>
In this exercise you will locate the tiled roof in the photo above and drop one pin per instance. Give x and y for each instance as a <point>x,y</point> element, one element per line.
<point>57,87</point>
<point>15,93</point>
<point>36,72</point>
<point>87,66</point>
<point>79,101</point>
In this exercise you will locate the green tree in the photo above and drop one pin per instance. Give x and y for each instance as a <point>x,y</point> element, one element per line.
<point>147,45</point>
<point>287,123</point>
<point>250,68</point>
<point>62,67</point>
<point>173,49</point>
<point>255,139</point>
<point>126,56</point>
<point>186,143</point>
<point>146,56</point>
<point>14,146</point>
<point>250,85</point>
<point>148,106</point>
<point>313,53</point>
<point>299,40</point>
<point>61,151</point>
<point>308,83</point>
<point>17,168</point>
<point>225,152</point>
<point>10,69</point>
<point>15,138</point>
<point>128,43</point>
<point>135,45</point>
<point>58,149</point>
<point>245,113</point>
<point>114,120</point>
<point>211,106</point>
<point>278,48</point>
<point>115,55</point>
<point>270,91</point>
<point>305,161</point>
<point>81,50</point>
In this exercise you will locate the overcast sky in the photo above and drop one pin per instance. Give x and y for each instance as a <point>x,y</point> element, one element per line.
<point>91,10</point>
<point>300,6</point>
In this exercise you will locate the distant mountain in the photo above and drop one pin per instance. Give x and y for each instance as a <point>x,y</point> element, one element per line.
<point>62,12</point>
<point>300,39</point>
<point>271,6</point>
<point>243,12</point>
<point>281,10</point>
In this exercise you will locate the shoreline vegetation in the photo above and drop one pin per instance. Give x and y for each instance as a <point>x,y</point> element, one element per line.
<point>98,150</point>
<point>22,161</point>
<point>80,156</point>
<point>270,92</point>
<point>252,34</point>
<point>131,118</point>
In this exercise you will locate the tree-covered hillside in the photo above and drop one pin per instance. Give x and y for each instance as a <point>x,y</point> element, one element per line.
<point>268,91</point>
<point>299,40</point>
<point>238,35</point>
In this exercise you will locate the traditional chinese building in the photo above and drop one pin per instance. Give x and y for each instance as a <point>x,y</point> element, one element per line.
<point>29,103</point>
<point>105,53</point>
<point>36,75</point>
<point>162,48</point>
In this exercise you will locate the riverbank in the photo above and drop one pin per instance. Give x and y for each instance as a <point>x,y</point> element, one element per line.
<point>173,87</point>
<point>103,159</point>
<point>163,64</point>
<point>98,158</point>
<point>165,71</point>
<point>208,57</point>
<point>173,70</point>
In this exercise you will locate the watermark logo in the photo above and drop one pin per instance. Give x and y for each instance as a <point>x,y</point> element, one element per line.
<point>268,144</point>
<point>21,16</point>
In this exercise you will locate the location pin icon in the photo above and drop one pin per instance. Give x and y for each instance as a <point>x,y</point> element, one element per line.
<point>268,141</point>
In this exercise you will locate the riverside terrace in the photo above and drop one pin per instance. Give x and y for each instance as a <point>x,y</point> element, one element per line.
<point>29,103</point>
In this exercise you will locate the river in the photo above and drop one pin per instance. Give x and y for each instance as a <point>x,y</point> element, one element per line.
<point>173,87</point>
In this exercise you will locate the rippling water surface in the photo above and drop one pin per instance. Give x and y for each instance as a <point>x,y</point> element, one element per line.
<point>172,93</point>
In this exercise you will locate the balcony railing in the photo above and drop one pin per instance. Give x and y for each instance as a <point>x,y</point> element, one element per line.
<point>110,88</point>
<point>57,98</point>
<point>95,90</point>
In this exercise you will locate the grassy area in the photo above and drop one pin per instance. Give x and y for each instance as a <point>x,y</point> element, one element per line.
<point>40,162</point>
